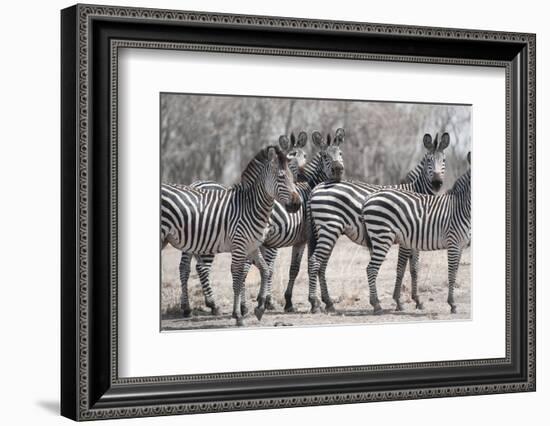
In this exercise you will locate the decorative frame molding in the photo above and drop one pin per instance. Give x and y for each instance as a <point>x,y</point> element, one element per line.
<point>91,37</point>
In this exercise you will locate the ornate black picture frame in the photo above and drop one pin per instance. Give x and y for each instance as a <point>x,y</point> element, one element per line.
<point>90,38</point>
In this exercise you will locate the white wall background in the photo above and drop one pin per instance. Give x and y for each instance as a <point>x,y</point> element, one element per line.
<point>29,213</point>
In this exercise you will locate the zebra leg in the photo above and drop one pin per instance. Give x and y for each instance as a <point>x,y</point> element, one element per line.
<point>313,271</point>
<point>269,255</point>
<point>325,297</point>
<point>378,254</point>
<point>296,259</point>
<point>185,270</point>
<point>204,266</point>
<point>320,256</point>
<point>244,306</point>
<point>259,261</point>
<point>402,260</point>
<point>238,260</point>
<point>414,264</point>
<point>453,258</point>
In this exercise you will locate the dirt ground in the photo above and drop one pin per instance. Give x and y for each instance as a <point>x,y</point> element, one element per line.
<point>347,283</point>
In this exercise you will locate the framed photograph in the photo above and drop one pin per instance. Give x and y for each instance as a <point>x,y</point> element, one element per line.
<point>263,212</point>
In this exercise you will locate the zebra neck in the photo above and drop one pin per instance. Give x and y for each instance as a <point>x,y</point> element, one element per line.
<point>314,173</point>
<point>462,192</point>
<point>421,184</point>
<point>254,199</point>
<point>252,172</point>
<point>414,173</point>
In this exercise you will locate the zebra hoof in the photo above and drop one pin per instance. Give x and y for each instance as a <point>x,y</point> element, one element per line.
<point>399,307</point>
<point>290,308</point>
<point>378,310</point>
<point>186,312</point>
<point>240,322</point>
<point>453,309</point>
<point>259,312</point>
<point>315,306</point>
<point>270,306</point>
<point>244,310</point>
<point>215,311</point>
<point>420,306</point>
<point>330,309</point>
<point>315,309</point>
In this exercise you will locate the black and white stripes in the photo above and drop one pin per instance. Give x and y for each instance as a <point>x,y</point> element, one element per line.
<point>417,222</point>
<point>335,209</point>
<point>236,220</point>
<point>293,149</point>
<point>268,210</point>
<point>286,228</point>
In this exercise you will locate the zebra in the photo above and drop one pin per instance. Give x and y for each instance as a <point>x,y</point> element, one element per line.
<point>291,230</point>
<point>293,149</point>
<point>235,221</point>
<point>288,229</point>
<point>418,222</point>
<point>335,209</point>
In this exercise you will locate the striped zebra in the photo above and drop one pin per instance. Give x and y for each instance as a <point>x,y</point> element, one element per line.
<point>289,229</point>
<point>335,209</point>
<point>235,221</point>
<point>418,222</point>
<point>293,148</point>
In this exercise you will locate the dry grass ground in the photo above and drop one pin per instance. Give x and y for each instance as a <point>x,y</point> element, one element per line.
<point>347,282</point>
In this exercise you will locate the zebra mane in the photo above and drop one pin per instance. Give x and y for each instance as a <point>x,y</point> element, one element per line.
<point>415,173</point>
<point>252,171</point>
<point>312,172</point>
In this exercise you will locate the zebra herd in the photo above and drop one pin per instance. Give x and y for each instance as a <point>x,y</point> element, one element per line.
<point>284,200</point>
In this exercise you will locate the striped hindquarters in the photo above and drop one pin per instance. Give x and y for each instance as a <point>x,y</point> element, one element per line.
<point>194,221</point>
<point>337,205</point>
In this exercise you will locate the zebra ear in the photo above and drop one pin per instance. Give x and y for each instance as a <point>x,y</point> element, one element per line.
<point>302,139</point>
<point>284,143</point>
<point>428,144</point>
<point>339,137</point>
<point>318,140</point>
<point>445,139</point>
<point>469,158</point>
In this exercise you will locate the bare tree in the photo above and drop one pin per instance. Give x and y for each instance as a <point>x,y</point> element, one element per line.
<point>213,137</point>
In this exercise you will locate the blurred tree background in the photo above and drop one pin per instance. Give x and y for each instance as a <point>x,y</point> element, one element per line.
<point>214,137</point>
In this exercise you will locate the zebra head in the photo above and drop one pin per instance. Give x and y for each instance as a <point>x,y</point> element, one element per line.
<point>330,153</point>
<point>434,160</point>
<point>294,150</point>
<point>279,181</point>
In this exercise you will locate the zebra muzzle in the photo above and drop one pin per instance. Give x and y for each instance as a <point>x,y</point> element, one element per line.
<point>337,171</point>
<point>437,184</point>
<point>437,181</point>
